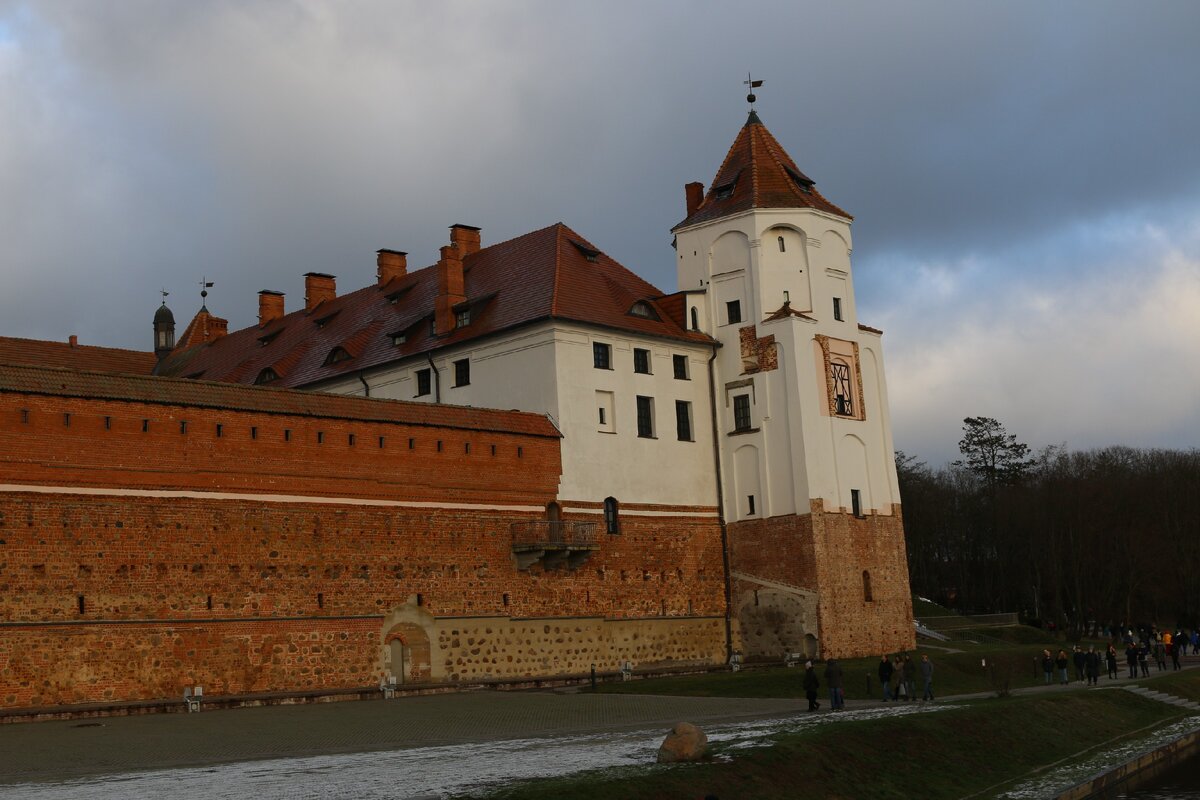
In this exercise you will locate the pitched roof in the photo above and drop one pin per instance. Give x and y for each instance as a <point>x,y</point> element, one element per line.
<point>552,273</point>
<point>61,382</point>
<point>758,173</point>
<point>38,352</point>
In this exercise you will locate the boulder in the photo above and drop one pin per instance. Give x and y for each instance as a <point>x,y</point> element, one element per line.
<point>685,742</point>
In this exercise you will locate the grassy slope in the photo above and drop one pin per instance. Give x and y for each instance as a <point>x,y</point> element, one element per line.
<point>948,754</point>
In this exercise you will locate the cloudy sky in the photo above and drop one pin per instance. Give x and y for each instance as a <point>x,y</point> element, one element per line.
<point>1025,176</point>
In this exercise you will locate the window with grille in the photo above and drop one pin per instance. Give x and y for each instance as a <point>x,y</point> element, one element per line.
<point>733,311</point>
<point>741,412</point>
<point>641,361</point>
<point>843,406</point>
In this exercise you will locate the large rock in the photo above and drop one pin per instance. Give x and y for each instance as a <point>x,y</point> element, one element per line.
<point>685,742</point>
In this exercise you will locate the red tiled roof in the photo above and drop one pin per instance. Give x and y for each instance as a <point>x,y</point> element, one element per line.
<point>38,352</point>
<point>542,275</point>
<point>758,173</point>
<point>61,382</point>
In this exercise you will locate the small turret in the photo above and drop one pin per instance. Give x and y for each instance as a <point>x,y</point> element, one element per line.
<point>164,330</point>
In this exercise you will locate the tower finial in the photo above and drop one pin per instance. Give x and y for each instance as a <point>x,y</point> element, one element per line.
<point>164,293</point>
<point>753,84</point>
<point>205,285</point>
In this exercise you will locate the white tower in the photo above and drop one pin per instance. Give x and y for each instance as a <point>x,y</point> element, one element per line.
<point>808,478</point>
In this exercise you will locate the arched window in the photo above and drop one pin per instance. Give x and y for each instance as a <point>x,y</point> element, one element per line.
<point>867,587</point>
<point>695,319</point>
<point>612,522</point>
<point>266,376</point>
<point>337,354</point>
<point>782,246</point>
<point>554,521</point>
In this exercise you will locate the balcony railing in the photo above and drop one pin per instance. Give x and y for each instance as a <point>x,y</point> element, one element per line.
<point>554,543</point>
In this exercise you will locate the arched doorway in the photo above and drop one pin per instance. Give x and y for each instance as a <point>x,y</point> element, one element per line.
<point>408,653</point>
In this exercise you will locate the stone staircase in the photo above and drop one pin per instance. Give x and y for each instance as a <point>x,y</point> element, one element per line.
<point>1163,697</point>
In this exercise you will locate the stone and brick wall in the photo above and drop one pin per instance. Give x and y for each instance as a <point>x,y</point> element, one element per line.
<point>136,559</point>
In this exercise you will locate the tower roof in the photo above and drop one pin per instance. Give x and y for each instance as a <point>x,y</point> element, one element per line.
<point>758,173</point>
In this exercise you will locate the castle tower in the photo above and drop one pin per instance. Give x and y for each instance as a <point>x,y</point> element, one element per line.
<point>164,330</point>
<point>808,479</point>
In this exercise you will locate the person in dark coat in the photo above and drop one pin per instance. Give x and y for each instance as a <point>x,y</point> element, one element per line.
<point>811,685</point>
<point>1143,657</point>
<point>1091,666</point>
<point>833,679</point>
<point>1131,659</point>
<point>910,677</point>
<point>1177,644</point>
<point>1047,665</point>
<point>1060,661</point>
<point>1079,659</point>
<point>885,677</point>
<point>927,676</point>
<point>1111,658</point>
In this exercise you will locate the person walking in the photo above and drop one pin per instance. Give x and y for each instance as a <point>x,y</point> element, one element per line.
<point>1079,659</point>
<point>910,677</point>
<point>1131,659</point>
<point>833,679</point>
<point>1111,658</point>
<point>1091,666</point>
<point>1177,644</point>
<point>927,676</point>
<point>897,679</point>
<point>811,684</point>
<point>1160,654</point>
<point>885,677</point>
<point>1047,665</point>
<point>1143,657</point>
<point>1060,662</point>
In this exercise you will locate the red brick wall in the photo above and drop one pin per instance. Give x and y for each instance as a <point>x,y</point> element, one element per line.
<point>298,590</point>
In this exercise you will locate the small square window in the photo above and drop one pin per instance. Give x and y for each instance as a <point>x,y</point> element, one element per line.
<point>645,417</point>
<point>424,382</point>
<point>641,361</point>
<point>462,372</point>
<point>837,308</point>
<point>733,311</point>
<point>601,355</point>
<point>679,364</point>
<point>741,412</point>
<point>399,338</point>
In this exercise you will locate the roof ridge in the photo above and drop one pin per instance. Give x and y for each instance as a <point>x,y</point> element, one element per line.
<point>558,245</point>
<point>75,346</point>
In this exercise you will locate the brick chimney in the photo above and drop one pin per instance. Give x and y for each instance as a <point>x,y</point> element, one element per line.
<point>73,340</point>
<point>465,238</point>
<point>450,288</point>
<point>318,287</point>
<point>389,265</point>
<point>694,192</point>
<point>270,306</point>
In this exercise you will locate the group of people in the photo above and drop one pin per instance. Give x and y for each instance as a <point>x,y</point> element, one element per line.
<point>1159,646</point>
<point>898,679</point>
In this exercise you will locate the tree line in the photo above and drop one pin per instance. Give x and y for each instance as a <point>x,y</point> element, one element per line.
<point>1073,539</point>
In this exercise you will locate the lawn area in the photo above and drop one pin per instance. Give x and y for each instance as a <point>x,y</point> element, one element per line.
<point>972,670</point>
<point>981,746</point>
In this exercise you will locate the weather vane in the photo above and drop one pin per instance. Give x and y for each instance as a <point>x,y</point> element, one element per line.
<point>753,84</point>
<point>205,285</point>
<point>164,294</point>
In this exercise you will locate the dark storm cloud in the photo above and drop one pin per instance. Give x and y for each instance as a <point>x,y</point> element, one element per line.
<point>991,153</point>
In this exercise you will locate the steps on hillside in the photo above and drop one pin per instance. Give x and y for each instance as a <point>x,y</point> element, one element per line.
<point>1163,697</point>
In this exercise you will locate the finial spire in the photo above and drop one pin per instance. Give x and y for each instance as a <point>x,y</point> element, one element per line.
<point>205,285</point>
<point>753,84</point>
<point>164,293</point>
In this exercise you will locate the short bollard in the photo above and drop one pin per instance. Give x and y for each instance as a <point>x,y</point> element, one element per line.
<point>593,677</point>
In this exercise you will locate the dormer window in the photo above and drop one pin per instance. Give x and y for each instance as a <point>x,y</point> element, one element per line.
<point>644,310</point>
<point>723,192</point>
<point>336,355</point>
<point>266,376</point>
<point>267,338</point>
<point>462,318</point>
<point>325,320</point>
<point>399,338</point>
<point>803,183</point>
<point>591,254</point>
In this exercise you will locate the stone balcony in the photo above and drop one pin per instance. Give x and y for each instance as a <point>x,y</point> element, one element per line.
<point>555,543</point>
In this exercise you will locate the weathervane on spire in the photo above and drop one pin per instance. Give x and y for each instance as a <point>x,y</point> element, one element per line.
<point>164,293</point>
<point>753,84</point>
<point>205,285</point>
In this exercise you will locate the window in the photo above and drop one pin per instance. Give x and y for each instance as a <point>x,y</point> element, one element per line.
<point>601,355</point>
<point>336,355</point>
<point>287,434</point>
<point>462,318</point>
<point>253,432</point>
<point>220,430</point>
<point>604,412</point>
<point>645,417</point>
<point>733,311</point>
<point>266,376</point>
<point>680,365</point>
<point>683,420</point>
<point>856,502</point>
<point>320,437</point>
<point>423,382</point>
<point>750,505</point>
<point>612,522</point>
<point>644,310</point>
<point>741,412</point>
<point>842,404</point>
<point>399,338</point>
<point>462,372</point>
<point>183,426</point>
<point>695,319</point>
<point>837,308</point>
<point>867,598</point>
<point>782,246</point>
<point>641,361</point>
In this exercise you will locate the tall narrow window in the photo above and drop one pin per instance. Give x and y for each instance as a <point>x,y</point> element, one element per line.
<point>645,417</point>
<point>843,406</point>
<point>683,420</point>
<point>837,308</point>
<point>782,246</point>
<point>750,505</point>
<point>462,372</point>
<point>867,587</point>
<point>424,382</point>
<point>604,412</point>
<point>741,412</point>
<point>641,361</point>
<point>612,522</point>
<point>601,355</point>
<point>695,319</point>
<point>733,311</point>
<point>856,502</point>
